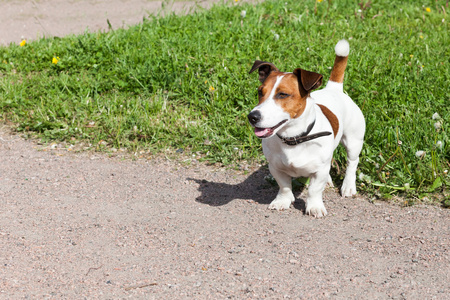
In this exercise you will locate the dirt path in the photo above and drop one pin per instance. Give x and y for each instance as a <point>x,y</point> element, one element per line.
<point>84,225</point>
<point>22,19</point>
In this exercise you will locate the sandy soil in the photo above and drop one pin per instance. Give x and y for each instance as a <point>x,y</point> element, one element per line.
<point>23,19</point>
<point>84,225</point>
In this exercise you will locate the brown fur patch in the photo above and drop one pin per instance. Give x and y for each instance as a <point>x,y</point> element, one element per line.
<point>331,118</point>
<point>267,86</point>
<point>337,74</point>
<point>294,104</point>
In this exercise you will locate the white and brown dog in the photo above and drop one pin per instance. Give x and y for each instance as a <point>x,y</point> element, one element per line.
<point>300,130</point>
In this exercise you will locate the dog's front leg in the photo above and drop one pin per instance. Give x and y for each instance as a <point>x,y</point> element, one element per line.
<point>314,203</point>
<point>285,196</point>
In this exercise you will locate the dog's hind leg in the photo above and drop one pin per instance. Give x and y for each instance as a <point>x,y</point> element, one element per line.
<point>285,196</point>
<point>353,145</point>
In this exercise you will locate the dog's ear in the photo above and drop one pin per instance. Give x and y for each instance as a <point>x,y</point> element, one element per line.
<point>307,81</point>
<point>265,68</point>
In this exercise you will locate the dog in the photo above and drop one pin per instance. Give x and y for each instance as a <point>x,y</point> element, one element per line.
<point>301,129</point>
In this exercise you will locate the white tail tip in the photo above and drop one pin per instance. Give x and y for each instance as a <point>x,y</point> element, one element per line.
<point>342,48</point>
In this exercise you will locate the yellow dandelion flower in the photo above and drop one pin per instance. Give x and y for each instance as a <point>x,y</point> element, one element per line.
<point>421,36</point>
<point>22,43</point>
<point>319,1</point>
<point>236,0</point>
<point>55,60</point>
<point>211,89</point>
<point>411,55</point>
<point>428,9</point>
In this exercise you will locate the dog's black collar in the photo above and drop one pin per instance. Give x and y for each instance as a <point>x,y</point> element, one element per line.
<point>304,137</point>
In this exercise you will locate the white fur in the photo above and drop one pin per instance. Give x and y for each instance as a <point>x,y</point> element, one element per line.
<point>313,158</point>
<point>339,86</point>
<point>342,48</point>
<point>272,111</point>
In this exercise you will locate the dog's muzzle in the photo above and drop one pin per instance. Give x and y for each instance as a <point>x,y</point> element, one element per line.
<point>254,117</point>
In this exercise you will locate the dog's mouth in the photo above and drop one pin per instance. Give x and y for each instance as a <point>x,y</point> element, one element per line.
<point>267,132</point>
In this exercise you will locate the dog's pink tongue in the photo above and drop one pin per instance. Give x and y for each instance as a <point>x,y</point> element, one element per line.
<point>261,131</point>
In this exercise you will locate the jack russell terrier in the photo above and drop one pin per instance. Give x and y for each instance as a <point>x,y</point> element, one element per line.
<point>300,129</point>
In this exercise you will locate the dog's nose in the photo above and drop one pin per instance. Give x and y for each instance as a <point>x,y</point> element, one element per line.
<point>254,117</point>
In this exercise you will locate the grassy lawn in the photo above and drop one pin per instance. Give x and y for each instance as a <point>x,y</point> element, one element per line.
<point>182,82</point>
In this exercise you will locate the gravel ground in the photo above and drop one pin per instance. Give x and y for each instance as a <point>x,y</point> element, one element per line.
<point>86,225</point>
<point>22,19</point>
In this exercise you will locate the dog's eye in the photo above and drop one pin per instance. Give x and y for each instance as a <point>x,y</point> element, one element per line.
<point>282,95</point>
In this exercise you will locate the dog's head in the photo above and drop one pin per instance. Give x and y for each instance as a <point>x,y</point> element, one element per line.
<point>282,97</point>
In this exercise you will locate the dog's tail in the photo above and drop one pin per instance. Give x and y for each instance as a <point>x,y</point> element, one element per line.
<point>340,63</point>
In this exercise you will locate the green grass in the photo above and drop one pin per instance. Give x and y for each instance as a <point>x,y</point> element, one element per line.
<point>182,82</point>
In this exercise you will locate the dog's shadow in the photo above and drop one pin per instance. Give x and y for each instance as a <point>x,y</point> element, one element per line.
<point>255,187</point>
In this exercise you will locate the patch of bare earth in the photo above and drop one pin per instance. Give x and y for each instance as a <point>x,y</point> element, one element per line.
<point>86,225</point>
<point>21,19</point>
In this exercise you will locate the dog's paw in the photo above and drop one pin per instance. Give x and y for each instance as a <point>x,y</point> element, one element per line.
<point>348,189</point>
<point>316,210</point>
<point>281,203</point>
